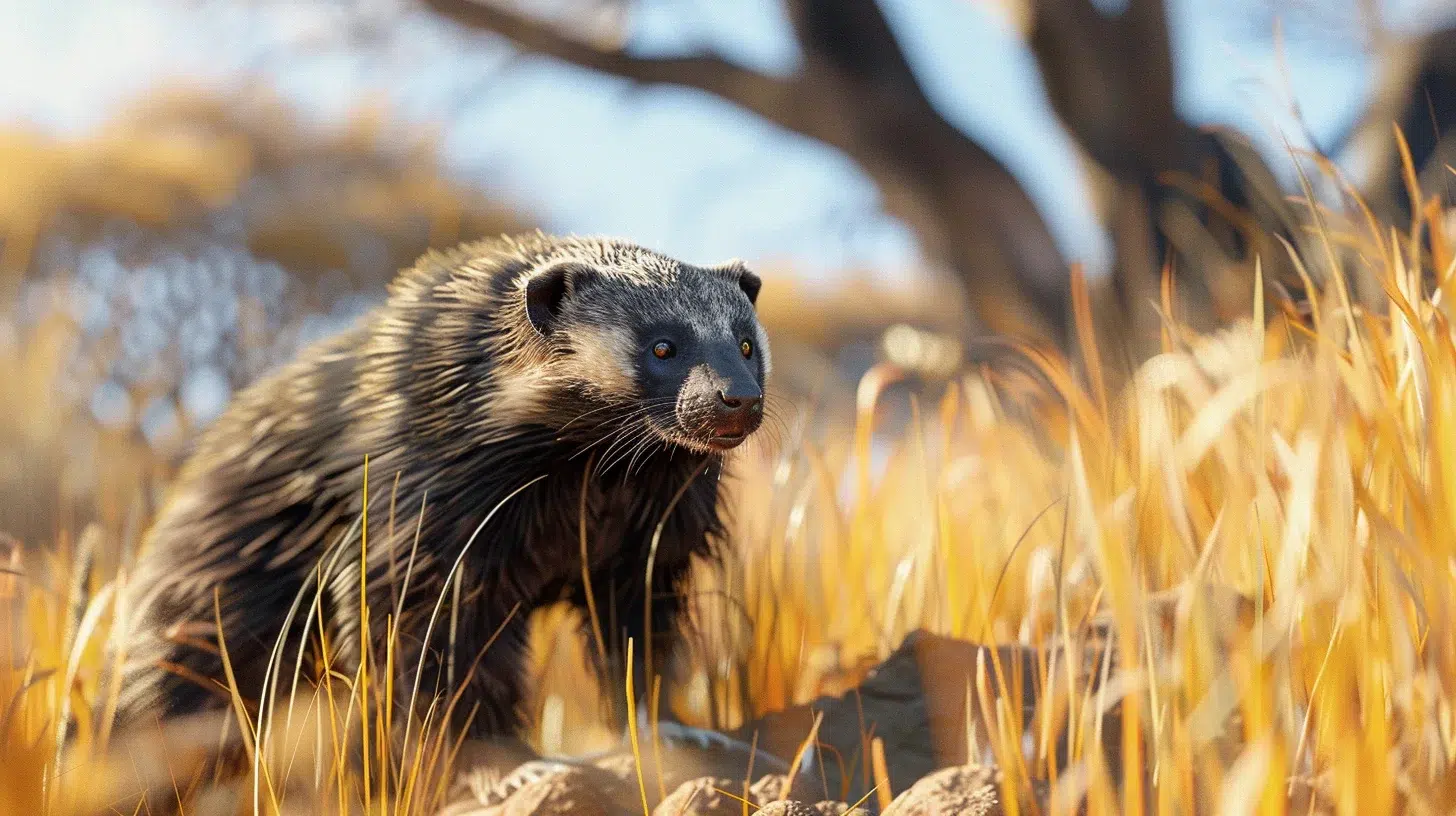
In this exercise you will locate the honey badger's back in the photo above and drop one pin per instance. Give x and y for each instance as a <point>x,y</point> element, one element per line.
<point>245,519</point>
<point>444,388</point>
<point>273,483</point>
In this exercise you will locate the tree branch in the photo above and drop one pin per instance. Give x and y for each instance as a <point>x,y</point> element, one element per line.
<point>770,97</point>
<point>853,38</point>
<point>1110,80</point>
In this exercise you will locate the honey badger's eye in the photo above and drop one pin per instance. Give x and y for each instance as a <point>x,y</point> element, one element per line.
<point>663,349</point>
<point>747,349</point>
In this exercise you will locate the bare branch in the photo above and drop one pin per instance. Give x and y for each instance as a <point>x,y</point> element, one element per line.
<point>853,39</point>
<point>1110,80</point>
<point>771,97</point>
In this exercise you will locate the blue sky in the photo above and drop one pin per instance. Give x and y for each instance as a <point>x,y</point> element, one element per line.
<point>669,168</point>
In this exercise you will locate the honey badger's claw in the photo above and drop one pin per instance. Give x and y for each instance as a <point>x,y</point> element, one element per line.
<point>527,773</point>
<point>673,734</point>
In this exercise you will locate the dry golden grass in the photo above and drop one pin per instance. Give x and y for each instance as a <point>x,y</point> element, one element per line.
<point>1311,470</point>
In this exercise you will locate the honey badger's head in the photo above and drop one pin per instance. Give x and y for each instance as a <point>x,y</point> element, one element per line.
<point>641,341</point>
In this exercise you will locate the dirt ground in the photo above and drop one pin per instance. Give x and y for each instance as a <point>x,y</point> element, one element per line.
<point>935,746</point>
<point>913,704</point>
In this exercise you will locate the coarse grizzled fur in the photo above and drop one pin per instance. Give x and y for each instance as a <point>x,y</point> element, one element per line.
<point>490,365</point>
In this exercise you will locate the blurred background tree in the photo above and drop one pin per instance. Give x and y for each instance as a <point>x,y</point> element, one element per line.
<point>166,260</point>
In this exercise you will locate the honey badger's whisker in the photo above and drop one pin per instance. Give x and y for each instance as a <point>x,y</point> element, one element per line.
<point>625,423</point>
<point>624,411</point>
<point>611,454</point>
<point>629,409</point>
<point>775,431</point>
<point>645,443</point>
<point>626,447</point>
<point>630,434</point>
<point>625,417</point>
<point>491,365</point>
<point>622,440</point>
<point>585,414</point>
<point>612,440</point>
<point>649,444</point>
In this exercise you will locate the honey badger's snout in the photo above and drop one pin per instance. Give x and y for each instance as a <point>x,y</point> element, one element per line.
<point>721,402</point>
<point>737,414</point>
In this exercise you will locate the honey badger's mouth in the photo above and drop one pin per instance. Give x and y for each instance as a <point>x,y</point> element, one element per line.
<point>728,441</point>
<point>701,433</point>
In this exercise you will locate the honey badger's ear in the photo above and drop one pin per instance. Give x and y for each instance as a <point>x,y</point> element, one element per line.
<point>747,281</point>
<point>750,284</point>
<point>547,291</point>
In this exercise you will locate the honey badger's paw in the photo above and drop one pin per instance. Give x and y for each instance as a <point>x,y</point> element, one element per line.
<point>491,787</point>
<point>675,734</point>
<point>488,771</point>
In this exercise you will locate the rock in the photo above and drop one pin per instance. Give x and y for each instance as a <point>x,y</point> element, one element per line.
<point>620,764</point>
<point>682,763</point>
<point>720,796</point>
<point>889,704</point>
<point>971,790</point>
<point>789,807</point>
<point>563,789</point>
<point>771,788</point>
<point>572,792</point>
<point>704,796</point>
<point>914,701</point>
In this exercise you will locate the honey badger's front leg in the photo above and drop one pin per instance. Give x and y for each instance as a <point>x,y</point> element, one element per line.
<point>649,621</point>
<point>664,614</point>
<point>631,616</point>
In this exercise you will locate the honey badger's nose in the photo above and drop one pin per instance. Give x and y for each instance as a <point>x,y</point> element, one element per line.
<point>737,412</point>
<point>740,403</point>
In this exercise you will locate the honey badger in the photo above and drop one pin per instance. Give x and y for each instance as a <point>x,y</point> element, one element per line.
<point>504,389</point>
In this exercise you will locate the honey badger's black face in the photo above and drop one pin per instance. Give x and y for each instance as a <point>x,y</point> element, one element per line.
<point>675,347</point>
<point>710,370</point>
